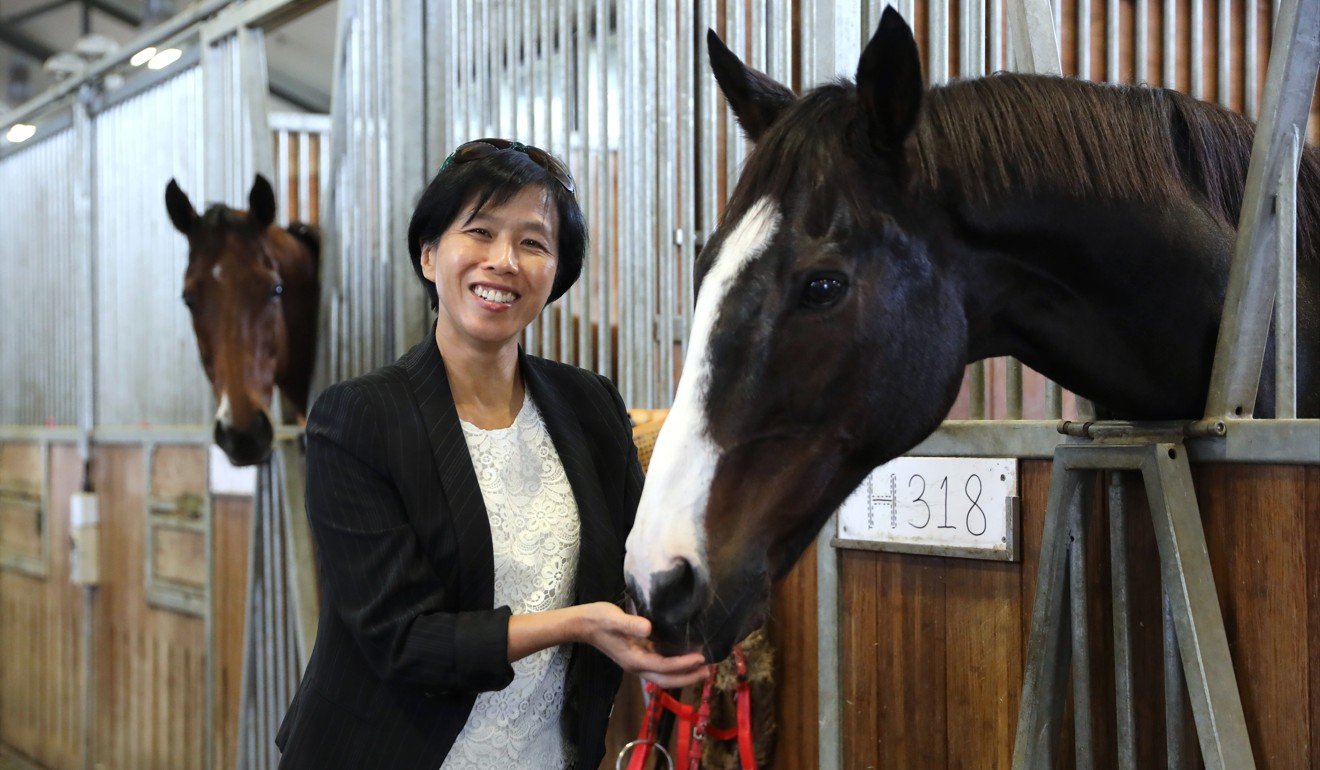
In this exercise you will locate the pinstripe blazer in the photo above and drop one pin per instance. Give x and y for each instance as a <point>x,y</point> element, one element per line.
<point>408,635</point>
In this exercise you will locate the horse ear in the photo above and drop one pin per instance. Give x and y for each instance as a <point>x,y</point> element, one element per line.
<point>756,98</point>
<point>261,202</point>
<point>889,83</point>
<point>181,210</point>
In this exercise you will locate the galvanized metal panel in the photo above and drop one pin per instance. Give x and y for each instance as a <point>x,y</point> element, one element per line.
<point>147,368</point>
<point>362,235</point>
<point>38,291</point>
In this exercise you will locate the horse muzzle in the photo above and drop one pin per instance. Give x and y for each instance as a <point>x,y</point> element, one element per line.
<point>688,615</point>
<point>248,446</point>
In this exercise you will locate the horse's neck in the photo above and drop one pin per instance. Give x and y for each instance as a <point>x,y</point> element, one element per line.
<point>1118,303</point>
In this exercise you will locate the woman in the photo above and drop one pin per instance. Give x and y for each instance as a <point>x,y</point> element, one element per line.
<point>469,505</point>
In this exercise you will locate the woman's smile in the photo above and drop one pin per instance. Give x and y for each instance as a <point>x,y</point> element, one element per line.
<point>494,298</point>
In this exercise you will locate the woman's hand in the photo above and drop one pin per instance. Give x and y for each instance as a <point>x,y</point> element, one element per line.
<point>623,638</point>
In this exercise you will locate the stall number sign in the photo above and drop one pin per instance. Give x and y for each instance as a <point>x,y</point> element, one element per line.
<point>946,506</point>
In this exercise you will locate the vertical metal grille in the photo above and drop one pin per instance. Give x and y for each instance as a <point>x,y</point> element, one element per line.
<point>616,90</point>
<point>362,241</point>
<point>38,291</point>
<point>146,356</point>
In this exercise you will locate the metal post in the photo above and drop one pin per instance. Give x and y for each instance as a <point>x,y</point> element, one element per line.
<point>1253,279</point>
<point>832,38</point>
<point>976,390</point>
<point>1285,307</point>
<point>1034,42</point>
<point>1190,586</point>
<point>1040,710</point>
<point>1175,684</point>
<point>1013,387</point>
<point>829,687</point>
<point>1125,719</point>
<point>1081,648</point>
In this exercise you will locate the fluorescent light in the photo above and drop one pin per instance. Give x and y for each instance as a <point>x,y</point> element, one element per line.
<point>164,59</point>
<point>143,56</point>
<point>20,132</point>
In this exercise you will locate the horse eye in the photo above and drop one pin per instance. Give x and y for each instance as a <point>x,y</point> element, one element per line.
<point>824,291</point>
<point>277,290</point>
<point>188,300</point>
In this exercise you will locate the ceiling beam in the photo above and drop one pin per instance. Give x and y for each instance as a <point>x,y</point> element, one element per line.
<point>298,94</point>
<point>117,10</point>
<point>23,43</point>
<point>32,13</point>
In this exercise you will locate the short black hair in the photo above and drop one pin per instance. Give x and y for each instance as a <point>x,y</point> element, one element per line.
<point>494,180</point>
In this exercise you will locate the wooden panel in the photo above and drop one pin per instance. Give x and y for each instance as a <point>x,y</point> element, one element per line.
<point>21,485</point>
<point>40,633</point>
<point>933,648</point>
<point>150,663</point>
<point>233,529</point>
<point>20,528</point>
<point>793,633</point>
<point>180,556</point>
<point>1255,521</point>
<point>178,476</point>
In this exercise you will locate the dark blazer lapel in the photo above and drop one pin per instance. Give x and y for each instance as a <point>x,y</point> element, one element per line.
<point>430,387</point>
<point>600,552</point>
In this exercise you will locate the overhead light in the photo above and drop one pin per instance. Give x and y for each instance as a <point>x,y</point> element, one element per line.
<point>164,59</point>
<point>20,132</point>
<point>92,47</point>
<point>143,56</point>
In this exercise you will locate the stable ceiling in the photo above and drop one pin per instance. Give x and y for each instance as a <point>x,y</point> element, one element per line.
<point>299,54</point>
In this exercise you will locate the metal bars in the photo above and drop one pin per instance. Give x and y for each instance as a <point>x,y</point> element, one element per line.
<point>143,329</point>
<point>1253,279</point>
<point>271,658</point>
<point>302,151</point>
<point>649,143</point>
<point>39,355</point>
<point>1187,581</point>
<point>364,211</point>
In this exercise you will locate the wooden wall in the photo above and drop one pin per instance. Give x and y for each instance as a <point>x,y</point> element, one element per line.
<point>932,649</point>
<point>149,662</point>
<point>40,622</point>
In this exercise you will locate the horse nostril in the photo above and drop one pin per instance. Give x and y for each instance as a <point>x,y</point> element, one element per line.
<point>678,594</point>
<point>249,446</point>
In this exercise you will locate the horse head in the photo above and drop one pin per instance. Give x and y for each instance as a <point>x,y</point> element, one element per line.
<point>820,344</point>
<point>249,285</point>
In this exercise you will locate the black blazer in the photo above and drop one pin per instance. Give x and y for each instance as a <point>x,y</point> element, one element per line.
<point>408,635</point>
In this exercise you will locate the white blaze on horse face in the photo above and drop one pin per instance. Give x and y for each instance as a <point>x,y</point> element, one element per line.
<point>215,272</point>
<point>225,414</point>
<point>670,523</point>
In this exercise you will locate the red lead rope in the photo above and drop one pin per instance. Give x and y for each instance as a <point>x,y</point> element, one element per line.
<point>694,723</point>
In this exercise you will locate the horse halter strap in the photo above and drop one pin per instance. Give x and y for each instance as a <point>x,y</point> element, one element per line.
<point>694,725</point>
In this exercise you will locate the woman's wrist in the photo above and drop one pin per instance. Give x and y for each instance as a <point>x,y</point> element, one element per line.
<point>577,624</point>
<point>537,631</point>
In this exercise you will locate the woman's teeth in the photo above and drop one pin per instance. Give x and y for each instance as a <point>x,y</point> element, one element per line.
<point>494,295</point>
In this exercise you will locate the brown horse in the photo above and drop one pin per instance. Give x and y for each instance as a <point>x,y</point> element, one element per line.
<point>884,235</point>
<point>253,289</point>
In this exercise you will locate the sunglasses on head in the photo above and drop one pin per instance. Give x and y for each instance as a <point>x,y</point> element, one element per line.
<point>484,148</point>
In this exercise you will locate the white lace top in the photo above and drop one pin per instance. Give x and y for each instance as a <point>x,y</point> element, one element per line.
<point>534,532</point>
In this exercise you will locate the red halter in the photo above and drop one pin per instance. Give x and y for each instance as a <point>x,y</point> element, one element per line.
<point>694,725</point>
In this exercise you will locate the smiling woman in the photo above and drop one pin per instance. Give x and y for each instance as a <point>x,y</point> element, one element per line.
<point>470,504</point>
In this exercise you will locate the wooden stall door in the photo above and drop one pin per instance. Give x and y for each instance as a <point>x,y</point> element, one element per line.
<point>932,649</point>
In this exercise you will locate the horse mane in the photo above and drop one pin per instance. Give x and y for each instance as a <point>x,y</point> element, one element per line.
<point>1013,134</point>
<point>219,216</point>
<point>309,236</point>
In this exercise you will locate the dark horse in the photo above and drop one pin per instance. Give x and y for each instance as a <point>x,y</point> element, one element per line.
<point>881,237</point>
<point>253,289</point>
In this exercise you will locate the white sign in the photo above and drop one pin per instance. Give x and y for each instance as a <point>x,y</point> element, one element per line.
<point>945,506</point>
<point>227,479</point>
